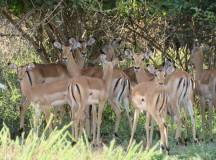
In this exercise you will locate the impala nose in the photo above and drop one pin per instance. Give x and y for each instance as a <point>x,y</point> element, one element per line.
<point>64,60</point>
<point>136,68</point>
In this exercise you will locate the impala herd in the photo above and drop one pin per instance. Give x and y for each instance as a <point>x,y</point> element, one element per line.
<point>86,89</point>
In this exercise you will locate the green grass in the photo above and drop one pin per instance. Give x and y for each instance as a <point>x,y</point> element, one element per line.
<point>58,145</point>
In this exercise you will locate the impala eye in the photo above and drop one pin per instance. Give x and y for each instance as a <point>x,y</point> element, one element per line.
<point>142,99</point>
<point>132,58</point>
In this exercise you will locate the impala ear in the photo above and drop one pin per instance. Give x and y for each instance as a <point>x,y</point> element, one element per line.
<point>91,41</point>
<point>57,45</point>
<point>148,54</point>
<point>115,61</point>
<point>103,58</point>
<point>30,67</point>
<point>151,69</point>
<point>116,42</point>
<point>74,43</point>
<point>128,53</point>
<point>12,66</point>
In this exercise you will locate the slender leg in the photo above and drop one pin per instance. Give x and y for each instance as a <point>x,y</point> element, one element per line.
<point>210,119</point>
<point>37,116</point>
<point>136,117</point>
<point>87,121</point>
<point>100,113</point>
<point>191,114</point>
<point>147,127</point>
<point>23,108</point>
<point>94,123</point>
<point>117,110</point>
<point>177,119</point>
<point>47,113</point>
<point>163,131</point>
<point>202,106</point>
<point>126,105</point>
<point>178,126</point>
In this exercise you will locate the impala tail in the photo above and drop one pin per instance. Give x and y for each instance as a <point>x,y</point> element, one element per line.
<point>75,92</point>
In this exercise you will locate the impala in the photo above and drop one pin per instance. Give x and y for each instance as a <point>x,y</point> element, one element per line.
<point>179,86</point>
<point>180,91</point>
<point>205,86</point>
<point>151,97</point>
<point>43,73</point>
<point>120,87</point>
<point>84,91</point>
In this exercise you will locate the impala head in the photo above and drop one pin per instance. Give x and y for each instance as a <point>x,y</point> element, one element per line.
<point>81,46</point>
<point>196,56</point>
<point>74,46</point>
<point>21,70</point>
<point>137,59</point>
<point>159,75</point>
<point>105,60</point>
<point>109,49</point>
<point>168,67</point>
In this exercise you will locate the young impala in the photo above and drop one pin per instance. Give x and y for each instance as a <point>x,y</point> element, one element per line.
<point>205,86</point>
<point>44,73</point>
<point>120,87</point>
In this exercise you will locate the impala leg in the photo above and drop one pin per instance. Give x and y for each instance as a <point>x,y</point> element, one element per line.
<point>210,119</point>
<point>72,119</point>
<point>88,121</point>
<point>99,120</point>
<point>94,123</point>
<point>117,110</point>
<point>202,109</point>
<point>81,117</point>
<point>191,114</point>
<point>136,117</point>
<point>148,130</point>
<point>37,116</point>
<point>178,126</point>
<point>76,124</point>
<point>126,105</point>
<point>23,108</point>
<point>47,113</point>
<point>163,132</point>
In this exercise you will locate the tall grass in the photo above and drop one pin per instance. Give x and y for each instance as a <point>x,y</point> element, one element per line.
<point>58,146</point>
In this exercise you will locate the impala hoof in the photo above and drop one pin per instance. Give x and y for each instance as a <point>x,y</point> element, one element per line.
<point>20,131</point>
<point>165,149</point>
<point>196,140</point>
<point>73,143</point>
<point>116,135</point>
<point>185,141</point>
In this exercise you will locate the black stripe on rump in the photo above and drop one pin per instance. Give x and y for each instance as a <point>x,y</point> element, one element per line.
<point>179,83</point>
<point>29,77</point>
<point>129,85</point>
<point>182,89</point>
<point>164,97</point>
<point>116,85</point>
<point>187,84</point>
<point>125,81</point>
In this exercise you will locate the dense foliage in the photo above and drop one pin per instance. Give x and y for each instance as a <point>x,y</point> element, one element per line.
<point>28,29</point>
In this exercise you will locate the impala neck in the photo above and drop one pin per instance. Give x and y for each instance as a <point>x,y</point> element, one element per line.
<point>73,68</point>
<point>107,74</point>
<point>80,60</point>
<point>142,76</point>
<point>198,68</point>
<point>26,85</point>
